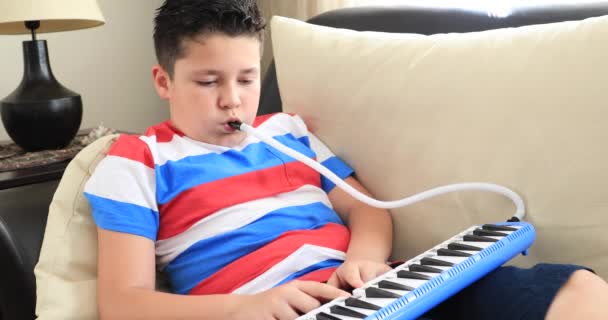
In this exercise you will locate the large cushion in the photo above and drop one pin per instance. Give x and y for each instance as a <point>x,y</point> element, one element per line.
<point>520,107</point>
<point>66,273</point>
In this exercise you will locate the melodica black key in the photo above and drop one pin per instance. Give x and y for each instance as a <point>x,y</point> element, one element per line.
<point>488,233</point>
<point>325,316</point>
<point>474,238</point>
<point>420,268</point>
<point>452,253</point>
<point>373,292</point>
<point>494,227</point>
<point>358,303</point>
<point>435,262</point>
<point>343,311</point>
<point>462,246</point>
<point>384,284</point>
<point>412,275</point>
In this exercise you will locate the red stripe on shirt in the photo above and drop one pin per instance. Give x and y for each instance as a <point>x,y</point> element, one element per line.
<point>194,204</point>
<point>247,268</point>
<point>132,147</point>
<point>164,132</point>
<point>261,119</point>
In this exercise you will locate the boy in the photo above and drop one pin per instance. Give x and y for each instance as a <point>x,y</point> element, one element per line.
<point>220,212</point>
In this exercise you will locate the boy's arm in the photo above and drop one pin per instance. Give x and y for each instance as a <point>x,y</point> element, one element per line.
<point>371,237</point>
<point>126,283</point>
<point>126,289</point>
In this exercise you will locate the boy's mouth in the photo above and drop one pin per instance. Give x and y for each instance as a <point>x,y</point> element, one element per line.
<point>227,127</point>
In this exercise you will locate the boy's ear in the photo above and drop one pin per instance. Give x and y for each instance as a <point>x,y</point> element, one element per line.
<point>162,81</point>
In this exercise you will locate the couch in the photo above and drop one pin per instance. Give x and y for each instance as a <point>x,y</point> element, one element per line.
<point>23,211</point>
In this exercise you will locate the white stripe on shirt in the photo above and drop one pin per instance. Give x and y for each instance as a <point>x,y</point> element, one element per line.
<point>180,147</point>
<point>137,182</point>
<point>323,153</point>
<point>304,257</point>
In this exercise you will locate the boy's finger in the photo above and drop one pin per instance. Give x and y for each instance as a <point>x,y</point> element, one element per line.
<point>352,276</point>
<point>355,281</point>
<point>371,272</point>
<point>285,312</point>
<point>334,280</point>
<point>303,302</point>
<point>368,274</point>
<point>322,290</point>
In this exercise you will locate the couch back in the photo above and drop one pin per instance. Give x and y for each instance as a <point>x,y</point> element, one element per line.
<point>431,20</point>
<point>520,107</point>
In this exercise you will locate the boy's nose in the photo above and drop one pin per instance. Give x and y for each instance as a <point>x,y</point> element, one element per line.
<point>229,98</point>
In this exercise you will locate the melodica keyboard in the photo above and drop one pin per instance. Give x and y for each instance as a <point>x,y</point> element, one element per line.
<point>419,284</point>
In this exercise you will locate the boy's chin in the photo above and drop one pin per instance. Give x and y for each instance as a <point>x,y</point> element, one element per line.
<point>232,139</point>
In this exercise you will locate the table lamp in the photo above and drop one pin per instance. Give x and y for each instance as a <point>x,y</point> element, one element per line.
<point>42,114</point>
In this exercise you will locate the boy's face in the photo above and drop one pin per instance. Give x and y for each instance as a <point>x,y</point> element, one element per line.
<point>215,82</point>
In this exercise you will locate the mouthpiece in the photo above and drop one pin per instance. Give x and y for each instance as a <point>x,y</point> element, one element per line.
<point>235,125</point>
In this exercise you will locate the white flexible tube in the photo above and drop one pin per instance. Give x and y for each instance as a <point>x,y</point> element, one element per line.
<point>517,200</point>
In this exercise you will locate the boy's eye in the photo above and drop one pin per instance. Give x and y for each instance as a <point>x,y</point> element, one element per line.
<point>206,83</point>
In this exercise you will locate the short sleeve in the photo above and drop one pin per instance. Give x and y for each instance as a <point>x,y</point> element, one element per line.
<point>323,154</point>
<point>122,189</point>
<point>330,161</point>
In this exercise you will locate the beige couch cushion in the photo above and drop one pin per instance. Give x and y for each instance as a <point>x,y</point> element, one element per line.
<point>522,107</point>
<point>66,272</point>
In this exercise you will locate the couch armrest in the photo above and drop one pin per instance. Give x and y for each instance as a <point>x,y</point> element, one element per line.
<point>23,214</point>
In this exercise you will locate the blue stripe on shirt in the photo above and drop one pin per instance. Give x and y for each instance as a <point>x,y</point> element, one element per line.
<point>174,177</point>
<point>124,217</point>
<point>337,166</point>
<point>207,256</point>
<point>331,263</point>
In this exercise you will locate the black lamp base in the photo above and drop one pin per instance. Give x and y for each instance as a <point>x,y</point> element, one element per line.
<point>42,125</point>
<point>40,114</point>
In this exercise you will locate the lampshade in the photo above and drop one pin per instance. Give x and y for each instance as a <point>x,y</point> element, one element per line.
<point>54,15</point>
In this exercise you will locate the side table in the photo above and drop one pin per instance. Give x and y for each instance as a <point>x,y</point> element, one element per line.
<point>22,169</point>
<point>27,176</point>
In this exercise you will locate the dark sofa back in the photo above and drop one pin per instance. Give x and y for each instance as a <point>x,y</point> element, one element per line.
<point>23,213</point>
<point>431,20</point>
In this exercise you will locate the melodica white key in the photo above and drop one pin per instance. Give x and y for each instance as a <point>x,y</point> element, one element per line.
<point>419,284</point>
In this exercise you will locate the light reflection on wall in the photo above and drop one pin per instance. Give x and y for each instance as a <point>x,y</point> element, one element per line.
<point>495,8</point>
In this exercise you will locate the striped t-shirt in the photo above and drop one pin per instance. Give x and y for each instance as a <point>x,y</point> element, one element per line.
<point>242,219</point>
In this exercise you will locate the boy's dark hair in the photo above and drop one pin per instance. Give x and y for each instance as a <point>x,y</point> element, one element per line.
<point>179,20</point>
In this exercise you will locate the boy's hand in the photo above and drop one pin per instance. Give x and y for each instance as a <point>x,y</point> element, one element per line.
<point>288,301</point>
<point>355,273</point>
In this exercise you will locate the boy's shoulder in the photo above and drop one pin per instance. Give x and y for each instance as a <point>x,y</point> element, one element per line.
<point>131,146</point>
<point>162,132</point>
<point>138,146</point>
<point>158,133</point>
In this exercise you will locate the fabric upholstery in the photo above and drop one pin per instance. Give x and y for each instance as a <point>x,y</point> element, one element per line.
<point>521,107</point>
<point>432,19</point>
<point>66,272</point>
